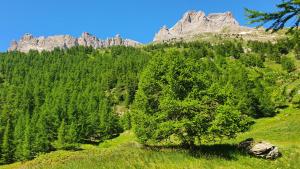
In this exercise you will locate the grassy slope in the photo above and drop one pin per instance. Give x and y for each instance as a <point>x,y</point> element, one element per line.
<point>124,152</point>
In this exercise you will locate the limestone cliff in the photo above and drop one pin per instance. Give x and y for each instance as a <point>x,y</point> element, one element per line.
<point>194,23</point>
<point>28,42</point>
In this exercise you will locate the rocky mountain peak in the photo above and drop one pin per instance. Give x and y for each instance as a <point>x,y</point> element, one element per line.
<point>193,23</point>
<point>192,16</point>
<point>27,37</point>
<point>85,34</point>
<point>223,18</point>
<point>165,27</point>
<point>29,42</point>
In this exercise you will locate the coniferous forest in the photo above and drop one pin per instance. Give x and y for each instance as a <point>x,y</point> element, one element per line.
<point>176,93</point>
<point>55,100</point>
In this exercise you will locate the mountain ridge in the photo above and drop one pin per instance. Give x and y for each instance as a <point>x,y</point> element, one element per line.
<point>29,42</point>
<point>194,23</point>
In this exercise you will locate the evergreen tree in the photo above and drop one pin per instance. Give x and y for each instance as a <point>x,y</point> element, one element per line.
<point>289,11</point>
<point>41,142</point>
<point>26,153</point>
<point>18,138</point>
<point>71,136</point>
<point>61,140</point>
<point>7,146</point>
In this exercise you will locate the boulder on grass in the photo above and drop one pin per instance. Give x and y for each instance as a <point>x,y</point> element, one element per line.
<point>261,149</point>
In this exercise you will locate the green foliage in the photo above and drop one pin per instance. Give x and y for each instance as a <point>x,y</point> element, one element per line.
<point>289,10</point>
<point>7,147</point>
<point>41,140</point>
<point>228,122</point>
<point>125,152</point>
<point>62,98</point>
<point>61,141</point>
<point>253,60</point>
<point>26,145</point>
<point>18,138</point>
<point>296,100</point>
<point>126,121</point>
<point>288,64</point>
<point>190,93</point>
<point>294,41</point>
<point>180,95</point>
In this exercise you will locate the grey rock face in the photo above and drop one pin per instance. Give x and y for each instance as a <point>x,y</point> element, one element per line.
<point>28,42</point>
<point>193,23</point>
<point>260,149</point>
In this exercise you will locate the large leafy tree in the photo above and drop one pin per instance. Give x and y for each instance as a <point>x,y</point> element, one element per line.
<point>192,100</point>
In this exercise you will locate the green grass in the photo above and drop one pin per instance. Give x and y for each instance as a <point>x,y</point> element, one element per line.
<point>282,130</point>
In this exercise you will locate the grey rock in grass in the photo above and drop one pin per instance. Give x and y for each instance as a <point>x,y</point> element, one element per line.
<point>261,149</point>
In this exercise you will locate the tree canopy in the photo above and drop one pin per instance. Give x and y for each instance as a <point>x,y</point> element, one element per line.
<point>190,97</point>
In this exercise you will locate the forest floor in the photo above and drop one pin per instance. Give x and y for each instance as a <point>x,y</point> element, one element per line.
<point>124,151</point>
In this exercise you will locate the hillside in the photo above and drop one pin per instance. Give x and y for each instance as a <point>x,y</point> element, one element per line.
<point>96,114</point>
<point>209,91</point>
<point>65,96</point>
<point>124,152</point>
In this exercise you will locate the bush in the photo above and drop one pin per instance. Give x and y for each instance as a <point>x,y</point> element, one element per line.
<point>296,100</point>
<point>288,64</point>
<point>253,60</point>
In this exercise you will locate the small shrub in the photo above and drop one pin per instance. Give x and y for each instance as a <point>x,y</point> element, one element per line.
<point>288,64</point>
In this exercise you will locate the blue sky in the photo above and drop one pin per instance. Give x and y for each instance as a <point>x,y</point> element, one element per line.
<point>134,19</point>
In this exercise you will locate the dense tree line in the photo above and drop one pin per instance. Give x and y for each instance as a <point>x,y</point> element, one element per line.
<point>55,100</point>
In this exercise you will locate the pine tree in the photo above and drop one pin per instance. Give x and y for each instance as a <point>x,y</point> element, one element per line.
<point>18,138</point>
<point>103,111</point>
<point>289,11</point>
<point>71,136</point>
<point>41,141</point>
<point>7,144</point>
<point>109,122</point>
<point>26,153</point>
<point>61,141</point>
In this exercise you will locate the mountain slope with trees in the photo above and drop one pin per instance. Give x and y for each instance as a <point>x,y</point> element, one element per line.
<point>61,99</point>
<point>55,100</point>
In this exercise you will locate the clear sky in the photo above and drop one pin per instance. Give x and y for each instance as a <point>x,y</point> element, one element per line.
<point>134,19</point>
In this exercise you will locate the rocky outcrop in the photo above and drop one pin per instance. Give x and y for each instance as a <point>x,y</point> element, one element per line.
<point>193,23</point>
<point>261,149</point>
<point>28,42</point>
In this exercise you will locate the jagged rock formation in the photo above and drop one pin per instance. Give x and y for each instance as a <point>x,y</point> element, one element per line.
<point>194,23</point>
<point>28,42</point>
